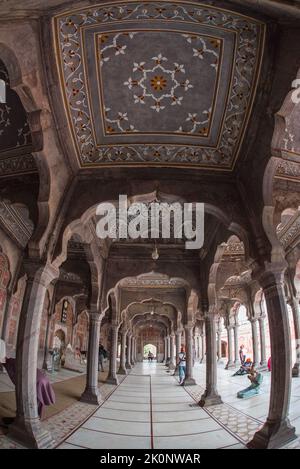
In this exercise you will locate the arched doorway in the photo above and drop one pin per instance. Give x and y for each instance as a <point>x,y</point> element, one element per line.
<point>150,349</point>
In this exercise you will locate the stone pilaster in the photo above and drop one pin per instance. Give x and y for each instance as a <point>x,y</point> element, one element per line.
<point>237,361</point>
<point>277,429</point>
<point>27,428</point>
<point>128,351</point>
<point>122,368</point>
<point>262,335</point>
<point>91,393</point>
<point>172,352</point>
<point>210,396</point>
<point>189,380</point>
<point>254,341</point>
<point>203,348</point>
<point>296,320</point>
<point>112,375</point>
<point>230,363</point>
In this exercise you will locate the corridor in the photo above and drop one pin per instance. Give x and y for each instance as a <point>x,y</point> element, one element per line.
<point>150,410</point>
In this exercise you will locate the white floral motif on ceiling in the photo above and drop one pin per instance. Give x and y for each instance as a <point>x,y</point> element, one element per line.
<point>207,132</point>
<point>158,85</point>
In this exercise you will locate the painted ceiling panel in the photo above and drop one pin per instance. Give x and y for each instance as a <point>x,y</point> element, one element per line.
<point>158,84</point>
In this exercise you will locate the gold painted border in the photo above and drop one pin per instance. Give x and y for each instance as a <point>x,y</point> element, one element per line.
<point>260,48</point>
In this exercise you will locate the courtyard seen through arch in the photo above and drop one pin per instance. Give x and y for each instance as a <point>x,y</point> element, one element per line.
<point>150,225</point>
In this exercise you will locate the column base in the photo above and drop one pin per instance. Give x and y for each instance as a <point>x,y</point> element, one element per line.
<point>31,434</point>
<point>237,363</point>
<point>171,366</point>
<point>112,380</point>
<point>208,399</point>
<point>122,371</point>
<point>203,360</point>
<point>273,435</point>
<point>90,397</point>
<point>296,371</point>
<point>189,382</point>
<point>128,366</point>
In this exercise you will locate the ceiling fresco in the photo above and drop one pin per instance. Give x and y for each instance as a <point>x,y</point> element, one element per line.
<point>158,84</point>
<point>15,136</point>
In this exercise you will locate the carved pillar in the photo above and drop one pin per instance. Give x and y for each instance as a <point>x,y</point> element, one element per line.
<point>122,369</point>
<point>165,349</point>
<point>128,352</point>
<point>210,396</point>
<point>189,380</point>
<point>49,317</point>
<point>172,352</point>
<point>27,427</point>
<point>230,363</point>
<point>262,335</point>
<point>277,430</point>
<point>254,341</point>
<point>112,374</point>
<point>237,361</point>
<point>169,346</point>
<point>296,319</point>
<point>201,347</point>
<point>132,350</point>
<point>91,393</point>
<point>219,345</point>
<point>178,348</point>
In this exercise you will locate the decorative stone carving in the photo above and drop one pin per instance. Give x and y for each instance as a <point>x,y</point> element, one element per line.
<point>15,220</point>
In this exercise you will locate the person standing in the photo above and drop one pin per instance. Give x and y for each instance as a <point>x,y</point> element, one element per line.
<point>181,366</point>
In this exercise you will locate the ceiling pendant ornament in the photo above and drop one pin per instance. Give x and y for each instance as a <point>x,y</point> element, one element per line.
<point>126,69</point>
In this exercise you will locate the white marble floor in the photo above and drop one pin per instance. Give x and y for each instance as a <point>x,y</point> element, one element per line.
<point>150,410</point>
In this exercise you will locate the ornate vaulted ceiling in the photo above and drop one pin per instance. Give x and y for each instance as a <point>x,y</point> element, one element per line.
<point>160,84</point>
<point>15,136</point>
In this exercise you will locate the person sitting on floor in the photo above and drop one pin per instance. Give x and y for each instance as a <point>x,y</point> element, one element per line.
<point>44,390</point>
<point>244,368</point>
<point>256,379</point>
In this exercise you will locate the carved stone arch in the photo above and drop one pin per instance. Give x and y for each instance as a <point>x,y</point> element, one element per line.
<point>68,226</point>
<point>12,65</point>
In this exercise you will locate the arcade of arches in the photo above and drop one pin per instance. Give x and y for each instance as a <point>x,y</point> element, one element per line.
<point>180,102</point>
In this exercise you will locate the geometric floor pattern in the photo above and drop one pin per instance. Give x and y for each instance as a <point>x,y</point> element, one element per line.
<point>150,410</point>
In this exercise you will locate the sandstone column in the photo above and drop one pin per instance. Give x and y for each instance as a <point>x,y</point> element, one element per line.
<point>254,341</point>
<point>202,357</point>
<point>189,380</point>
<point>128,351</point>
<point>262,334</point>
<point>237,360</point>
<point>122,369</point>
<point>230,363</point>
<point>132,360</point>
<point>172,352</point>
<point>91,393</point>
<point>49,317</point>
<point>27,427</point>
<point>210,396</point>
<point>178,348</point>
<point>112,375</point>
<point>277,430</point>
<point>219,345</point>
<point>296,319</point>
